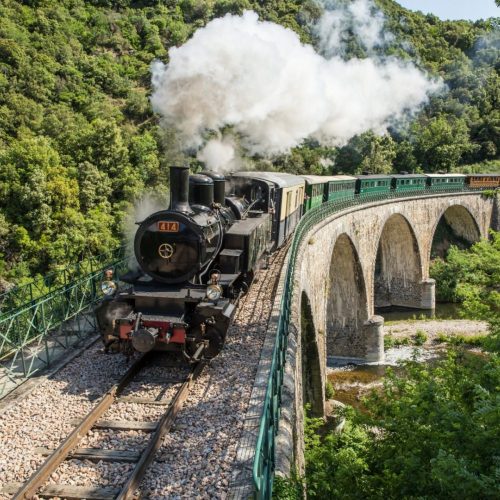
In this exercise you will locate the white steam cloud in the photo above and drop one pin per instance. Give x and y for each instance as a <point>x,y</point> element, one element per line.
<point>220,154</point>
<point>273,91</point>
<point>340,21</point>
<point>143,208</point>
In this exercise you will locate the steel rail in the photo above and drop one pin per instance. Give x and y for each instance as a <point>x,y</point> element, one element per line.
<point>29,489</point>
<point>168,418</point>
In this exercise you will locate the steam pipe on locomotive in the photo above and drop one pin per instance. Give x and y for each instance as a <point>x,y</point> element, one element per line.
<point>184,294</point>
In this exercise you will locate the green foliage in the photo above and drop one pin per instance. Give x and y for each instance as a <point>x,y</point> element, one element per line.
<point>389,341</point>
<point>471,277</point>
<point>329,390</point>
<point>429,433</point>
<point>420,338</point>
<point>288,488</point>
<point>441,142</point>
<point>367,152</point>
<point>79,141</point>
<point>77,134</point>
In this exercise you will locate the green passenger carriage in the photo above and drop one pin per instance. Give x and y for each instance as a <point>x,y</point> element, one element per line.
<point>340,187</point>
<point>315,191</point>
<point>373,184</point>
<point>447,182</point>
<point>322,188</point>
<point>408,182</point>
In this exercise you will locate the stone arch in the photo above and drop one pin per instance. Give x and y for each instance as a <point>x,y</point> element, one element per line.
<point>312,385</point>
<point>455,225</point>
<point>347,305</point>
<point>398,265</point>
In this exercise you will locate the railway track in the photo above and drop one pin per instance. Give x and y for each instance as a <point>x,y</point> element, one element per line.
<point>199,453</point>
<point>36,486</point>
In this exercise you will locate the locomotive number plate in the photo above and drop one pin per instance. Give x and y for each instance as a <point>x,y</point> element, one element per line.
<point>167,226</point>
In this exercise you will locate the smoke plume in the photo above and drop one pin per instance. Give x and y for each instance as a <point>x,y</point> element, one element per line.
<point>340,21</point>
<point>220,154</point>
<point>143,208</point>
<point>273,91</point>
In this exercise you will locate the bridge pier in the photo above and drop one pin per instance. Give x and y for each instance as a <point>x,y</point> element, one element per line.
<point>428,295</point>
<point>357,342</point>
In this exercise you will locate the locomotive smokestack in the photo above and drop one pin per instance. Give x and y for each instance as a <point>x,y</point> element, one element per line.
<point>179,189</point>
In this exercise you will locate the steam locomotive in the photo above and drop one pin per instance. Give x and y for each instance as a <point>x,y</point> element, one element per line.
<point>196,259</point>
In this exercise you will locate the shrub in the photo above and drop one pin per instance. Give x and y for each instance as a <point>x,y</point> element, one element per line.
<point>389,341</point>
<point>441,337</point>
<point>420,337</point>
<point>329,390</point>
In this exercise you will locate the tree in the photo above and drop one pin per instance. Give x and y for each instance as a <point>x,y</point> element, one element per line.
<point>441,142</point>
<point>470,277</point>
<point>367,153</point>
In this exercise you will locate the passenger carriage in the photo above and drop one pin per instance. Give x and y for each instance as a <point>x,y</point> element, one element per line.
<point>373,184</point>
<point>408,182</point>
<point>314,191</point>
<point>445,182</point>
<point>483,181</point>
<point>340,187</point>
<point>322,188</point>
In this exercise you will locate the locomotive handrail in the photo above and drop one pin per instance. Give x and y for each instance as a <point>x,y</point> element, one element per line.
<point>264,460</point>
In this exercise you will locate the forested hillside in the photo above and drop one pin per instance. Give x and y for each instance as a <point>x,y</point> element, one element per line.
<point>79,142</point>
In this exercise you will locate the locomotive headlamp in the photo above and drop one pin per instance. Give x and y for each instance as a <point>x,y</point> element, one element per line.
<point>214,292</point>
<point>108,286</point>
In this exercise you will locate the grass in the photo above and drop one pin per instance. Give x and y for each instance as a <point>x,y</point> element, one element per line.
<point>329,390</point>
<point>390,341</point>
<point>461,339</point>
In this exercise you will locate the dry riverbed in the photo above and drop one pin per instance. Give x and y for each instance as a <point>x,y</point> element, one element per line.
<point>435,329</point>
<point>422,340</point>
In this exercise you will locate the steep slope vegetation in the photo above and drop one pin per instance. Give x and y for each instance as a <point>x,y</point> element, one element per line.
<point>79,142</point>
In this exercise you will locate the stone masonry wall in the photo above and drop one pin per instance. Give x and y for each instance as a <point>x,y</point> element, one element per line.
<point>363,226</point>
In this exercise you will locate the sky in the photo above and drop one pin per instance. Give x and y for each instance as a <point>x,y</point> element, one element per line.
<point>455,9</point>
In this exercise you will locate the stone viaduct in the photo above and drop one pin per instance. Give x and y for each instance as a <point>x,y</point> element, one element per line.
<point>376,254</point>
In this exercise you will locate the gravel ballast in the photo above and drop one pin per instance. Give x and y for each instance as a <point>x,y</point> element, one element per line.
<point>195,460</point>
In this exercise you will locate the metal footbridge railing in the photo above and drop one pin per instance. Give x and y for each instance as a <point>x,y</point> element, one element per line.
<point>41,319</point>
<point>264,461</point>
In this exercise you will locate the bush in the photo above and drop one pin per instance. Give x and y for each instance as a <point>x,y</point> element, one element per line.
<point>442,337</point>
<point>420,338</point>
<point>329,390</point>
<point>389,341</point>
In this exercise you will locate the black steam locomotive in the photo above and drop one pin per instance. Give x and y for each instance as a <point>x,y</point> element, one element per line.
<point>196,259</point>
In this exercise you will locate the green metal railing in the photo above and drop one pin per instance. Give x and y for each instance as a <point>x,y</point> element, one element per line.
<point>31,332</point>
<point>21,295</point>
<point>264,461</point>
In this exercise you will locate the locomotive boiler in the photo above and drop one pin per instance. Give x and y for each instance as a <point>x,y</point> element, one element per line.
<point>195,259</point>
